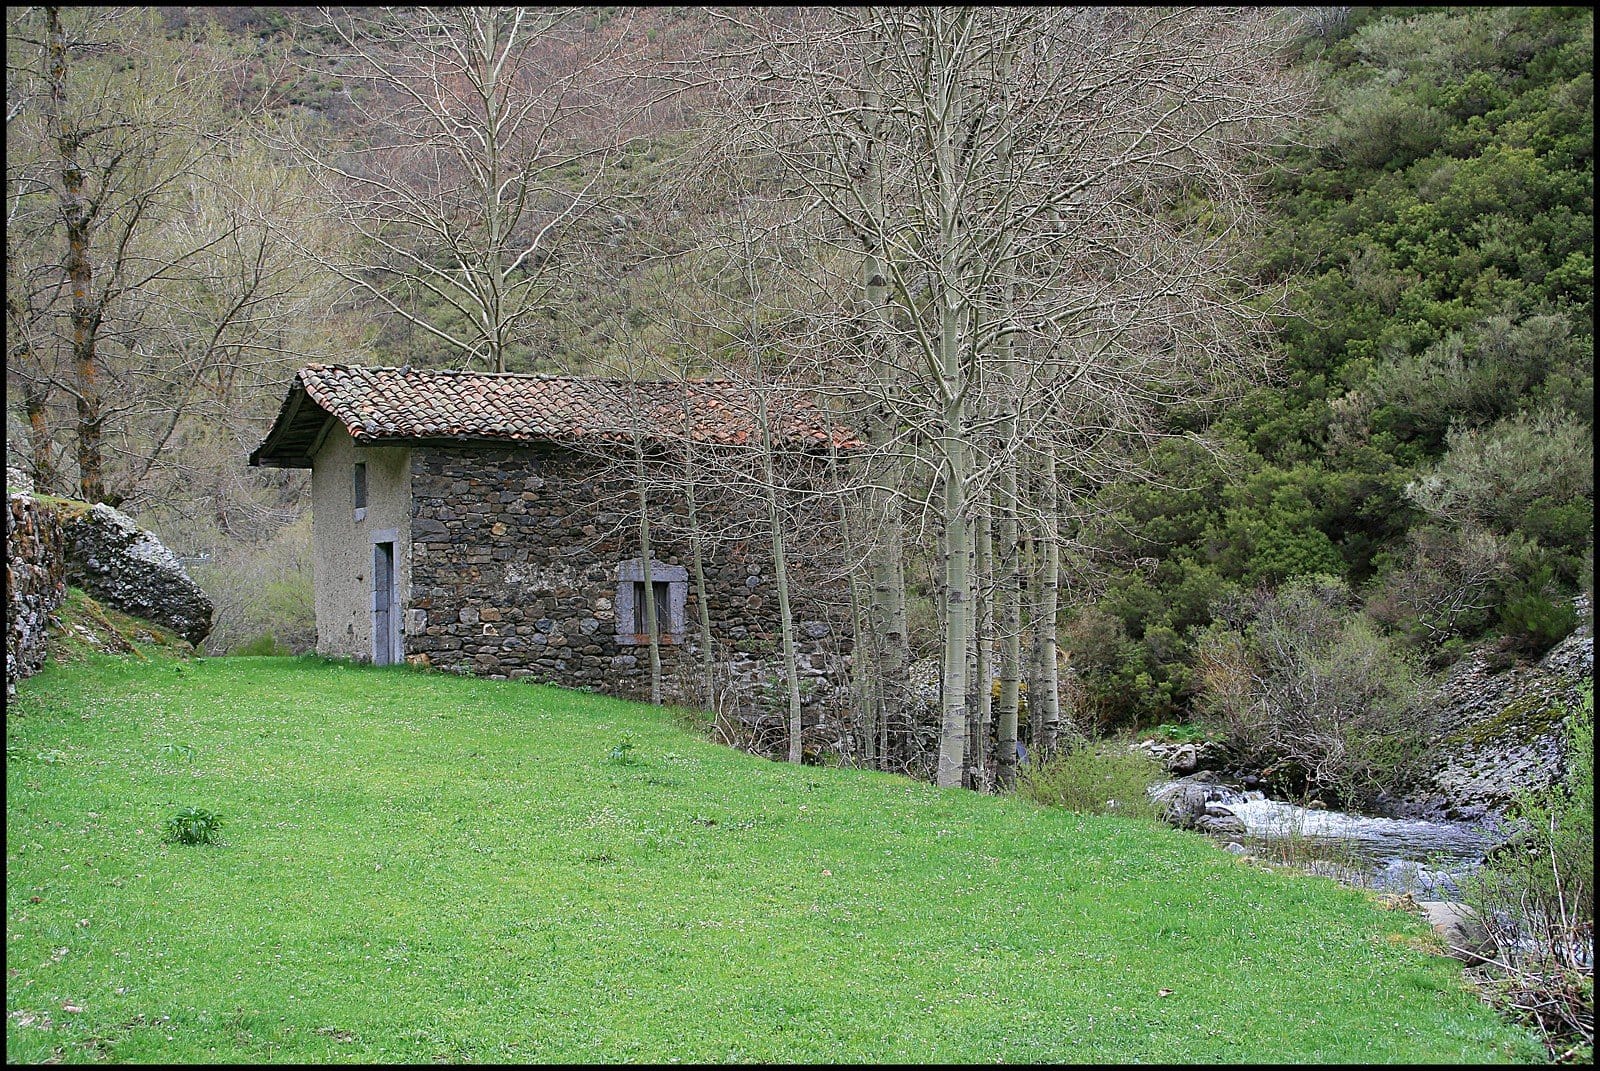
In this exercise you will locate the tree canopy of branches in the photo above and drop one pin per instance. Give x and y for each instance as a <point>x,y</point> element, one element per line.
<point>1032,222</point>
<point>482,138</point>
<point>146,293</point>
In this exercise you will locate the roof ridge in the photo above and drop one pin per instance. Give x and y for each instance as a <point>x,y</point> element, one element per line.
<point>319,366</point>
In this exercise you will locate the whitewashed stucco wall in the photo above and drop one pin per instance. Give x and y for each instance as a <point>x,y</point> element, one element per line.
<point>342,544</point>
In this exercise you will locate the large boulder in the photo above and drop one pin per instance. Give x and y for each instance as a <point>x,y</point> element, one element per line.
<point>131,570</point>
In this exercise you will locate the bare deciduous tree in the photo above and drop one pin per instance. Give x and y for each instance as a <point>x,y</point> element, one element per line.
<point>484,136</point>
<point>144,287</point>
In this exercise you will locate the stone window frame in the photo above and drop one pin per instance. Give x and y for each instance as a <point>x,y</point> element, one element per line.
<point>676,577</point>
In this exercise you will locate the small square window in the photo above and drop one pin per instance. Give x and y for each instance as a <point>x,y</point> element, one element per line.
<point>669,586</point>
<point>641,624</point>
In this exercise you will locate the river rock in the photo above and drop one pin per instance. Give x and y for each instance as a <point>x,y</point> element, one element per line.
<point>1194,803</point>
<point>1463,932</point>
<point>128,568</point>
<point>1184,805</point>
<point>1184,760</point>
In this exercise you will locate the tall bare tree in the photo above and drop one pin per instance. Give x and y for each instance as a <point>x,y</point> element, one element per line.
<point>142,281</point>
<point>483,138</point>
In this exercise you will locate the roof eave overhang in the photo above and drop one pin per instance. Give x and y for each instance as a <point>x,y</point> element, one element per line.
<point>296,434</point>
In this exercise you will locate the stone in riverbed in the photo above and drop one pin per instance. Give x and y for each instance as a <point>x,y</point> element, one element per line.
<point>1184,760</point>
<point>1219,823</point>
<point>1463,932</point>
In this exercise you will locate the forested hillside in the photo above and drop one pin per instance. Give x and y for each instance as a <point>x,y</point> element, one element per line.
<point>1430,440</point>
<point>1422,443</point>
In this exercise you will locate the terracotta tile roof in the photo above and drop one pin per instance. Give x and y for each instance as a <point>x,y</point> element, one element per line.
<point>404,404</point>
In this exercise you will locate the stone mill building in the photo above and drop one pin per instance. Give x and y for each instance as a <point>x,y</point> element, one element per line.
<point>490,523</point>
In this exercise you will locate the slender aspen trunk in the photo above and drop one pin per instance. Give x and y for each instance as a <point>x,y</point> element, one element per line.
<point>1009,586</point>
<point>1008,618</point>
<point>863,685</point>
<point>864,725</point>
<point>887,612</point>
<point>645,550</point>
<point>697,569</point>
<point>1028,581</point>
<point>490,180</point>
<point>983,664</point>
<point>1047,600</point>
<point>954,448</point>
<point>956,542</point>
<point>780,576</point>
<point>84,316</point>
<point>1007,579</point>
<point>698,572</point>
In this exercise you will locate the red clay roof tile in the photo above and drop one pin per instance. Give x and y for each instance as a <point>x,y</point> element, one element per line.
<point>380,404</point>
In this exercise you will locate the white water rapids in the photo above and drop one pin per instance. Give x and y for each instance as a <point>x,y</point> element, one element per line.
<point>1391,854</point>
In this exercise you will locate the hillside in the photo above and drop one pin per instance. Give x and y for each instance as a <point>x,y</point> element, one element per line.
<point>418,867</point>
<point>1429,438</point>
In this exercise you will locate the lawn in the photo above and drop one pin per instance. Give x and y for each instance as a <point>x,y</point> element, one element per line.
<point>417,867</point>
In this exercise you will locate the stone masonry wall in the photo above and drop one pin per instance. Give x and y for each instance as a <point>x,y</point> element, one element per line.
<point>36,583</point>
<point>516,557</point>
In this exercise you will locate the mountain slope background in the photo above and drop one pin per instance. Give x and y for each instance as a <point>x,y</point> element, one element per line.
<point>1427,443</point>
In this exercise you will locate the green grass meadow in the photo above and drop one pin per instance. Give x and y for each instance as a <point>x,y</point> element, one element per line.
<point>418,867</point>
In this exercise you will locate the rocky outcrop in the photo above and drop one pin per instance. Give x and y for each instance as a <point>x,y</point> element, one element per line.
<point>1198,802</point>
<point>35,582</point>
<point>1185,759</point>
<point>1502,732</point>
<point>131,570</point>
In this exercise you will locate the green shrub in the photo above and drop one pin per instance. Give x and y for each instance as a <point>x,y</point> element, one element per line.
<point>1177,734</point>
<point>193,825</point>
<point>1100,778</point>
<point>1299,679</point>
<point>1536,897</point>
<point>1536,617</point>
<point>1545,874</point>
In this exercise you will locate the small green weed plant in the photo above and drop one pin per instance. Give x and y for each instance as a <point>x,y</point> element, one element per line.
<point>622,752</point>
<point>1174,733</point>
<point>194,825</point>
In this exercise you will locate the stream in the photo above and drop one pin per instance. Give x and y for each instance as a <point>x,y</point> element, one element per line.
<point>1426,859</point>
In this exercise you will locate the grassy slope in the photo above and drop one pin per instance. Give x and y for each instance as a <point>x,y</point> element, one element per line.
<point>419,866</point>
